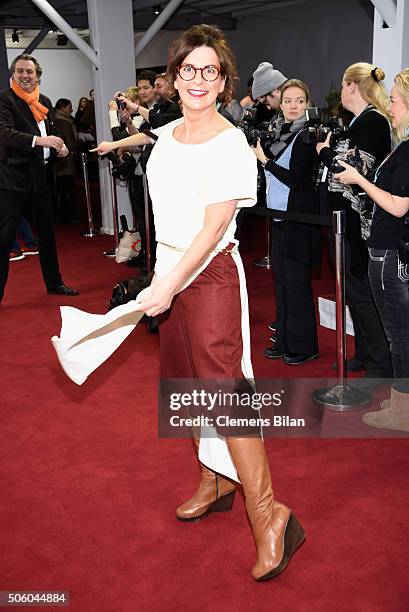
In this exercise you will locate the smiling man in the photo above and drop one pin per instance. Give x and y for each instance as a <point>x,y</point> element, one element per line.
<point>28,147</point>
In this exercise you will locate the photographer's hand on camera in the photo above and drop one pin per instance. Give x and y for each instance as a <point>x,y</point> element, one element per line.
<point>126,116</point>
<point>349,176</point>
<point>322,145</point>
<point>259,153</point>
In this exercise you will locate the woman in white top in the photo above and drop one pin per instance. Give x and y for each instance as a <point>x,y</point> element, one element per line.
<point>200,172</point>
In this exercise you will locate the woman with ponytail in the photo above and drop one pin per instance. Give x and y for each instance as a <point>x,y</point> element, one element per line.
<point>363,93</point>
<point>389,254</point>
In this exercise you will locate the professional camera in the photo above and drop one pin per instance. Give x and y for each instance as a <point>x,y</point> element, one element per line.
<point>264,132</point>
<point>317,127</point>
<point>123,167</point>
<point>355,160</point>
<point>247,125</point>
<point>121,104</point>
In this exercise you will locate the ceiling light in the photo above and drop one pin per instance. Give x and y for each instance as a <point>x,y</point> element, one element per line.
<point>15,37</point>
<point>157,10</point>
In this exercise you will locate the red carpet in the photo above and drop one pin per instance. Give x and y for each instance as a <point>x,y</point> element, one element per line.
<point>88,491</point>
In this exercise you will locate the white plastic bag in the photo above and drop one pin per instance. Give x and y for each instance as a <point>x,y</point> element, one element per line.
<point>129,246</point>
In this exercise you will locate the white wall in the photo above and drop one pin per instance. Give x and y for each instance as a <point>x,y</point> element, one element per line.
<point>66,73</point>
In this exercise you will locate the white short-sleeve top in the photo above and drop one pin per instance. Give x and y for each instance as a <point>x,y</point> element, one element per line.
<point>185,178</point>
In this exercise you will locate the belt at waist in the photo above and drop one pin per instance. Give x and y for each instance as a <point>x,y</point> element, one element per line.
<point>232,247</point>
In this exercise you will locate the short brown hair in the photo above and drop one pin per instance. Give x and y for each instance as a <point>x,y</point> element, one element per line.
<point>28,58</point>
<point>204,36</point>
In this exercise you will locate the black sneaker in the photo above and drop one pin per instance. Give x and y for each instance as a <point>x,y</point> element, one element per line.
<point>274,353</point>
<point>272,326</point>
<point>353,365</point>
<point>369,382</point>
<point>299,358</point>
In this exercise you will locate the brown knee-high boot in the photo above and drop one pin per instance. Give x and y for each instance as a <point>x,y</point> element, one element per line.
<point>215,494</point>
<point>277,533</point>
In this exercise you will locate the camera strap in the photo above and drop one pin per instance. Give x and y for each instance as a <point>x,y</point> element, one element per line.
<point>377,171</point>
<point>366,110</point>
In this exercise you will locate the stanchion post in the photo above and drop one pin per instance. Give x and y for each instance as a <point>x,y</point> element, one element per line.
<point>147,225</point>
<point>265,262</point>
<point>91,232</point>
<point>338,219</point>
<point>341,397</point>
<point>114,208</point>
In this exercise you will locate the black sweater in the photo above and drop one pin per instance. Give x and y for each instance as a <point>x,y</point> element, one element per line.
<point>370,132</point>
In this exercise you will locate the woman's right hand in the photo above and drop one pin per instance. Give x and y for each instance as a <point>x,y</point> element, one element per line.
<point>156,298</point>
<point>103,148</point>
<point>258,152</point>
<point>131,106</point>
<point>322,145</point>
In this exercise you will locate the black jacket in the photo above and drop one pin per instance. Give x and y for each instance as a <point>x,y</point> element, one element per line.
<point>163,112</point>
<point>301,240</point>
<point>22,166</point>
<point>370,132</point>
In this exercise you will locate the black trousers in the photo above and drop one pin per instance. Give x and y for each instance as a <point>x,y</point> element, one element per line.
<point>12,206</point>
<point>65,192</point>
<point>371,345</point>
<point>295,310</point>
<point>389,279</point>
<point>137,197</point>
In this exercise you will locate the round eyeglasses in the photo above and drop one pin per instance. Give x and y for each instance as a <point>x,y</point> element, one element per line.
<point>187,72</point>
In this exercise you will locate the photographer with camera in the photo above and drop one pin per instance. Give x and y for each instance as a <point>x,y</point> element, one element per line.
<point>159,111</point>
<point>364,94</point>
<point>121,120</point>
<point>295,248</point>
<point>388,245</point>
<point>266,90</point>
<point>163,111</point>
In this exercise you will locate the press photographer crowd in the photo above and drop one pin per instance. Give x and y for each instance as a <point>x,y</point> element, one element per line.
<point>352,157</point>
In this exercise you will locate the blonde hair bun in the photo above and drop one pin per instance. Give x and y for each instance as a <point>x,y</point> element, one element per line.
<point>379,73</point>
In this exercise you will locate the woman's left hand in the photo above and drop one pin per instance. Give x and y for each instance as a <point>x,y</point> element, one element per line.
<point>350,176</point>
<point>258,151</point>
<point>156,298</point>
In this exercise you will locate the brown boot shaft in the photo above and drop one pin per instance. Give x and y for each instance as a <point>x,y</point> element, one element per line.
<point>269,518</point>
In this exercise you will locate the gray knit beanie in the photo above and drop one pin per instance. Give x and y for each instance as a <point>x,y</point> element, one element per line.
<point>266,78</point>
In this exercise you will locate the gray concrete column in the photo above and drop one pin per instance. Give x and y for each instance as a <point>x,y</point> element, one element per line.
<point>111,33</point>
<point>4,68</point>
<point>391,44</point>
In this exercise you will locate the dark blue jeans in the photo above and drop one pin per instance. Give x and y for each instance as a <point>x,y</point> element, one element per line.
<point>26,234</point>
<point>389,280</point>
